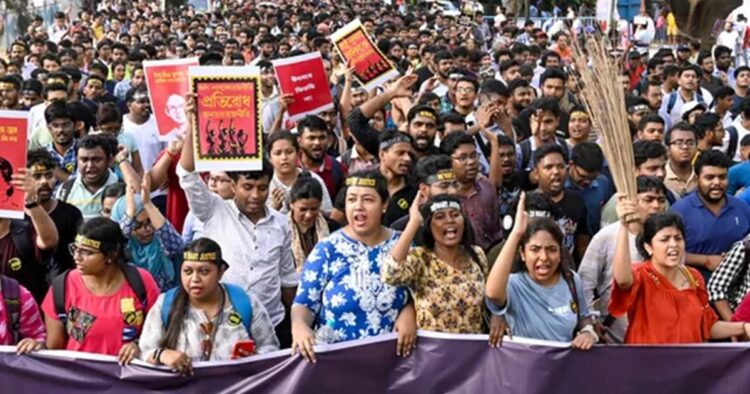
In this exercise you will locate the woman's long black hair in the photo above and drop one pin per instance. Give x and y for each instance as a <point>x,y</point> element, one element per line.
<point>467,239</point>
<point>180,305</point>
<point>544,224</point>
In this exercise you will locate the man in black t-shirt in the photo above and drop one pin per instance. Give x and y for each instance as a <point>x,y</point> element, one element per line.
<point>395,164</point>
<point>66,217</point>
<point>550,172</point>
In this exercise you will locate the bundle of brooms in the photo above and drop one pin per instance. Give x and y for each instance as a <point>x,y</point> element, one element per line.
<point>604,99</point>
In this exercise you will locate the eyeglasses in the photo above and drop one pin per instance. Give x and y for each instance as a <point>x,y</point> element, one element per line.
<point>75,249</point>
<point>589,178</point>
<point>683,143</point>
<point>464,158</point>
<point>465,90</point>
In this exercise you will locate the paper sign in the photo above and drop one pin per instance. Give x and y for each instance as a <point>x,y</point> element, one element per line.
<point>304,77</point>
<point>14,127</point>
<point>227,133</point>
<point>371,67</point>
<point>167,82</point>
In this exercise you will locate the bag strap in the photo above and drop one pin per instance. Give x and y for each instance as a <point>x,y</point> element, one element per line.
<point>67,186</point>
<point>12,298</point>
<point>733,136</point>
<point>58,296</point>
<point>525,154</point>
<point>133,276</point>
<point>241,303</point>
<point>574,305</point>
<point>671,102</point>
<point>166,307</point>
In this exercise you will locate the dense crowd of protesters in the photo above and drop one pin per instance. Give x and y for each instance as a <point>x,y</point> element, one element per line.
<point>468,195</point>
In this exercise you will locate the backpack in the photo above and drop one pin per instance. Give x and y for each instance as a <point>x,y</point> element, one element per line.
<point>733,140</point>
<point>12,299</point>
<point>132,276</point>
<point>237,296</point>
<point>672,100</point>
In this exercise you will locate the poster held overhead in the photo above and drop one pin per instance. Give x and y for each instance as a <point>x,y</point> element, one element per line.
<point>304,77</point>
<point>167,82</point>
<point>371,67</point>
<point>226,130</point>
<point>14,128</point>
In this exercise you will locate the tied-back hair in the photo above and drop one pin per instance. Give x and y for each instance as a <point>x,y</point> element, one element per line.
<point>181,300</point>
<point>550,226</point>
<point>108,232</point>
<point>467,238</point>
<point>653,225</point>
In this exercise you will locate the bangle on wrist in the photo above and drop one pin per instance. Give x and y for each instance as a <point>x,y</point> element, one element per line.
<point>157,355</point>
<point>171,155</point>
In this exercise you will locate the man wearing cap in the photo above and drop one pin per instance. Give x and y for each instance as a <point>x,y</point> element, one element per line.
<point>692,111</point>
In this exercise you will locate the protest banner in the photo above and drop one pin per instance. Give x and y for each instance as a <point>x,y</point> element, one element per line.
<point>304,77</point>
<point>14,128</point>
<point>167,82</point>
<point>371,67</point>
<point>441,363</point>
<point>227,133</point>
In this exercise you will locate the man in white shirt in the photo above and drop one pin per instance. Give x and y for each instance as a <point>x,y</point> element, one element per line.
<point>688,90</point>
<point>59,29</point>
<point>255,240</point>
<point>142,126</point>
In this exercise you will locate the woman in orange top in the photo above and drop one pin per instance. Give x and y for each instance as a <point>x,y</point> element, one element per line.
<point>666,302</point>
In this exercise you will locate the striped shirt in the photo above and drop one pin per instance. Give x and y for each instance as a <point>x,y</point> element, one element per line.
<point>31,324</point>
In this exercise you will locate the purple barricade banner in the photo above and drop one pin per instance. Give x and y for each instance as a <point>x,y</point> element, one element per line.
<point>440,364</point>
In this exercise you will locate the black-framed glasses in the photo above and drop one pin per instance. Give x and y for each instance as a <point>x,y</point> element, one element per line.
<point>75,249</point>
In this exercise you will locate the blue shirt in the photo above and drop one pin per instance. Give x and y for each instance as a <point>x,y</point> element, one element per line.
<point>68,161</point>
<point>340,284</point>
<point>541,312</point>
<point>595,197</point>
<point>739,177</point>
<point>708,234</point>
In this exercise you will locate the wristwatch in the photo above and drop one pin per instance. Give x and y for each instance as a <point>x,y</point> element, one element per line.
<point>32,204</point>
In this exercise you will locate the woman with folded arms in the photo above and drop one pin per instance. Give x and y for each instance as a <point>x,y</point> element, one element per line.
<point>665,300</point>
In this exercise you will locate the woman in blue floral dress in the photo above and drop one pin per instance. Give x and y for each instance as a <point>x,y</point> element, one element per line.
<point>340,291</point>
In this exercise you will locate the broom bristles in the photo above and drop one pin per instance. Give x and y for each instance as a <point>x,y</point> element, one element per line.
<point>604,99</point>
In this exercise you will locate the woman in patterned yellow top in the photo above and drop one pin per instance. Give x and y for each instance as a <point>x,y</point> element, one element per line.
<point>447,275</point>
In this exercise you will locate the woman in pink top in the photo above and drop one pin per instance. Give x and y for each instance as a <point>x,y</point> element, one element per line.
<point>21,323</point>
<point>101,309</point>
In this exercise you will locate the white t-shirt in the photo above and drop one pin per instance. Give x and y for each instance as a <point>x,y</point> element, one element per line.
<point>741,132</point>
<point>146,137</point>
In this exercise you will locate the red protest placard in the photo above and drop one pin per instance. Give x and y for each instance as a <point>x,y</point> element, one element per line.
<point>14,127</point>
<point>227,132</point>
<point>371,67</point>
<point>304,77</point>
<point>167,82</point>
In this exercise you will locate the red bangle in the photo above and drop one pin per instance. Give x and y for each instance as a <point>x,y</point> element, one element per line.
<point>171,155</point>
